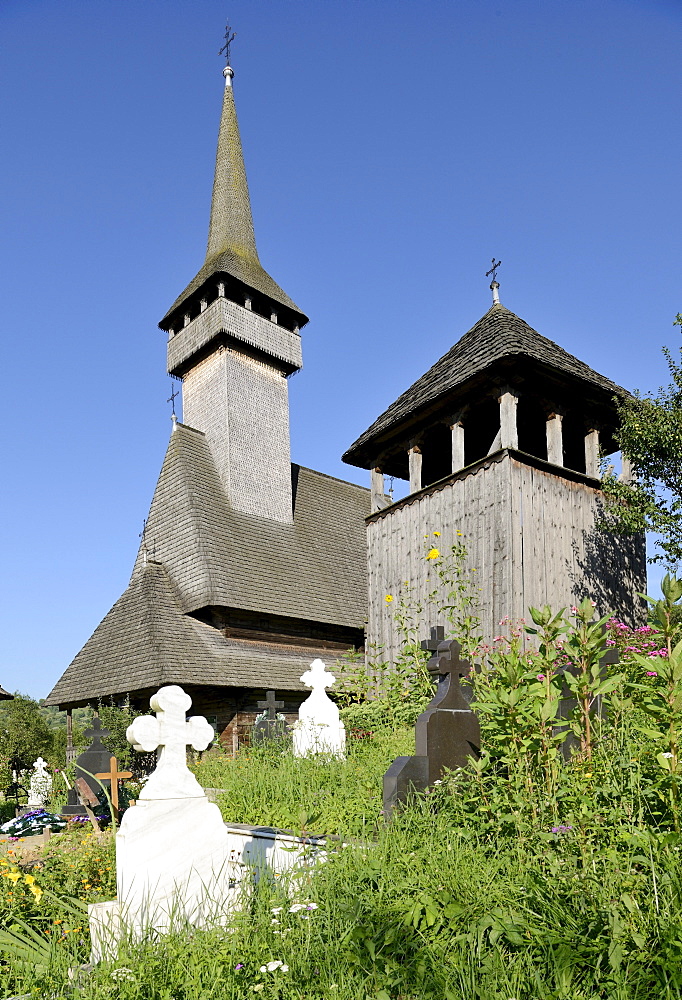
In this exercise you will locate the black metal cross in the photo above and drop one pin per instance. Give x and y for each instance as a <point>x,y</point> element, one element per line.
<point>229,38</point>
<point>171,399</point>
<point>493,269</point>
<point>270,706</point>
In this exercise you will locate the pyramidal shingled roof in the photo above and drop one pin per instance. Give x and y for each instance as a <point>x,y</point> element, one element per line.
<point>231,240</point>
<point>498,335</point>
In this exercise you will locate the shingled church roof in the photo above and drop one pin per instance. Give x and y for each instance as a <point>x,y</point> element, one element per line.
<point>207,554</point>
<point>146,641</point>
<point>497,336</point>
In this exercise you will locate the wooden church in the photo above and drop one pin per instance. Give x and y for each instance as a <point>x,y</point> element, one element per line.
<point>251,566</point>
<point>501,440</point>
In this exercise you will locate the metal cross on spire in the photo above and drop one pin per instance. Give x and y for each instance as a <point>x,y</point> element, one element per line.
<point>230,36</point>
<point>493,269</point>
<point>171,399</point>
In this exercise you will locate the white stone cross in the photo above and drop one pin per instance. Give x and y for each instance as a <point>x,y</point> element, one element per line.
<point>41,768</point>
<point>171,733</point>
<point>319,728</point>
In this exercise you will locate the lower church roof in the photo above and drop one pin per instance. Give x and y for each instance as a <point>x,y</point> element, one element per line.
<point>201,553</point>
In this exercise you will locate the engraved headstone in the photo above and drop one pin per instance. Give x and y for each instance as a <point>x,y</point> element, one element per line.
<point>270,724</point>
<point>447,733</point>
<point>319,728</point>
<point>91,761</point>
<point>172,853</point>
<point>40,788</point>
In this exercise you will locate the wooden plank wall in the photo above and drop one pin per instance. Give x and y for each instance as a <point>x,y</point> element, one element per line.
<point>530,535</point>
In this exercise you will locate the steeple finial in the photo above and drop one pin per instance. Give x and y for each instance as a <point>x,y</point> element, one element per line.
<point>230,36</point>
<point>494,284</point>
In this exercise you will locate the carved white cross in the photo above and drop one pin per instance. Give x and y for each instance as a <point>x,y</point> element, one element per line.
<point>170,732</point>
<point>40,765</point>
<point>318,677</point>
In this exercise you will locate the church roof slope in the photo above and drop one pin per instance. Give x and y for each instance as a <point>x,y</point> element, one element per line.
<point>498,335</point>
<point>313,569</point>
<point>146,641</point>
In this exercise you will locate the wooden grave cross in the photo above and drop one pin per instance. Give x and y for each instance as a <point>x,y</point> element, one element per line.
<point>270,706</point>
<point>114,776</point>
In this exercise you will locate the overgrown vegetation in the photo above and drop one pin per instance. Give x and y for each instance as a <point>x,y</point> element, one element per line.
<point>550,867</point>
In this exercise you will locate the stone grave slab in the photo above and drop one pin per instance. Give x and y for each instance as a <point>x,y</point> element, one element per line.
<point>319,728</point>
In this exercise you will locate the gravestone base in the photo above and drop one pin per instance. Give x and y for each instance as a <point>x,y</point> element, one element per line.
<point>405,777</point>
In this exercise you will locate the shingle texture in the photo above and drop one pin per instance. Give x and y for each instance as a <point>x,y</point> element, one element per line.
<point>146,641</point>
<point>208,554</point>
<point>498,335</point>
<point>313,568</point>
<point>231,240</point>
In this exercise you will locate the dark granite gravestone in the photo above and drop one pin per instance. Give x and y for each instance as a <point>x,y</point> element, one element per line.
<point>269,724</point>
<point>93,760</point>
<point>447,733</point>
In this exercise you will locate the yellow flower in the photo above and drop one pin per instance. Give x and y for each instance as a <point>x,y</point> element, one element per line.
<point>29,879</point>
<point>12,876</point>
<point>389,598</point>
<point>437,534</point>
<point>589,775</point>
<point>36,891</point>
<point>459,533</point>
<point>433,554</point>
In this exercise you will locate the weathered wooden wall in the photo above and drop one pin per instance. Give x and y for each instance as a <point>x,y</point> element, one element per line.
<point>531,535</point>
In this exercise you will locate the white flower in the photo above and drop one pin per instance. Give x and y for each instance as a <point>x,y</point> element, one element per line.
<point>276,909</point>
<point>667,755</point>
<point>296,907</point>
<point>439,782</point>
<point>275,964</point>
<point>123,974</point>
<point>274,920</point>
<point>311,906</point>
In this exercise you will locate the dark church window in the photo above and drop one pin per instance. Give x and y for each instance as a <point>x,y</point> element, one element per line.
<point>436,447</point>
<point>574,442</point>
<point>531,420</point>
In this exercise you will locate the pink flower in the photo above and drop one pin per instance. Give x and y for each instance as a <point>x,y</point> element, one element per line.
<point>651,673</point>
<point>541,677</point>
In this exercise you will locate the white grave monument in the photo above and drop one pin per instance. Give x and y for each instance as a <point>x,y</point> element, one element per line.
<point>40,788</point>
<point>172,849</point>
<point>319,728</point>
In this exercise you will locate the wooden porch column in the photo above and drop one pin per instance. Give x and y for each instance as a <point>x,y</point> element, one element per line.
<point>555,439</point>
<point>415,457</point>
<point>70,751</point>
<point>457,431</point>
<point>592,454</point>
<point>509,435</point>
<point>377,493</point>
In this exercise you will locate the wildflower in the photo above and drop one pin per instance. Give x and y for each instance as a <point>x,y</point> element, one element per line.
<point>438,782</point>
<point>275,964</point>
<point>433,554</point>
<point>258,987</point>
<point>389,598</point>
<point>123,974</point>
<point>651,673</point>
<point>437,534</point>
<point>296,907</point>
<point>276,909</point>
<point>274,920</point>
<point>589,774</point>
<point>668,754</point>
<point>311,906</point>
<point>541,677</point>
<point>238,966</point>
<point>562,828</point>
<point>12,876</point>
<point>459,533</point>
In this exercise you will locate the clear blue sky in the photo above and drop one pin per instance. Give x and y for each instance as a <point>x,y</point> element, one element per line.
<point>392,148</point>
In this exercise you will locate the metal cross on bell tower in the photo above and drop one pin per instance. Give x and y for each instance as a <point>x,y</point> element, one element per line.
<point>494,284</point>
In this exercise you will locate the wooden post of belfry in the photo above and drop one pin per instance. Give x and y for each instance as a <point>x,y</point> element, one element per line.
<point>457,431</point>
<point>592,453</point>
<point>555,439</point>
<point>377,492</point>
<point>415,459</point>
<point>509,434</point>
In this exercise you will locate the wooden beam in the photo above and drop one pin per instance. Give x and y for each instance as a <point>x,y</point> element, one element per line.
<point>457,430</point>
<point>377,493</point>
<point>415,458</point>
<point>592,454</point>
<point>509,435</point>
<point>555,439</point>
<point>626,473</point>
